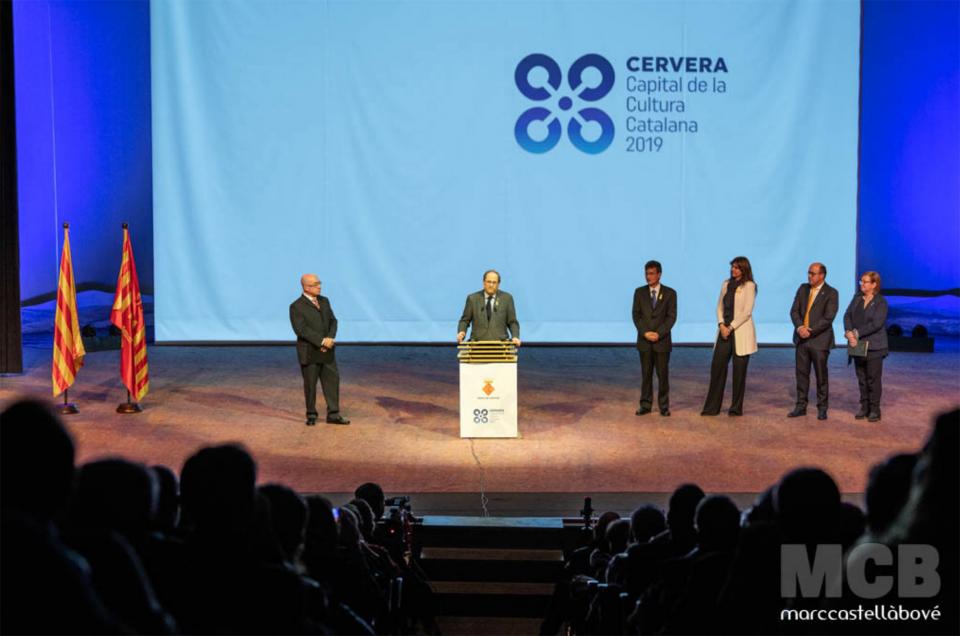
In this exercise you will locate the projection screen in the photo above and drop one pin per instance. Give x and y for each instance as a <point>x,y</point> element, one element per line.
<point>400,148</point>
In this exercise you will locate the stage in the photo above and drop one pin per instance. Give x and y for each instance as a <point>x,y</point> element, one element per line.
<point>578,430</point>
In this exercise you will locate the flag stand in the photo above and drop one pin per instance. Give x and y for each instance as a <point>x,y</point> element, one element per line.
<point>67,408</point>
<point>128,406</point>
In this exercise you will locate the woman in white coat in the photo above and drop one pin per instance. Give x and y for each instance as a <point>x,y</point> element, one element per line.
<point>736,337</point>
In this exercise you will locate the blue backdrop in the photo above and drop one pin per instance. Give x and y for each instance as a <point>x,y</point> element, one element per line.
<point>910,161</point>
<point>84,135</point>
<point>82,72</point>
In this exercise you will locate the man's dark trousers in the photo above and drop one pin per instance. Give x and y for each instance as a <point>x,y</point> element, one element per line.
<point>658,361</point>
<point>329,378</point>
<point>807,356</point>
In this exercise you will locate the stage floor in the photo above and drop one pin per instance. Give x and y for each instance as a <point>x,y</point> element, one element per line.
<point>578,430</point>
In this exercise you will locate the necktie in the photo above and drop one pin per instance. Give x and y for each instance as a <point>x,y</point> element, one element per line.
<point>806,316</point>
<point>653,298</point>
<point>489,307</point>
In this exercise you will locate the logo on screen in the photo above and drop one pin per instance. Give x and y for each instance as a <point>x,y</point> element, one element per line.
<point>567,103</point>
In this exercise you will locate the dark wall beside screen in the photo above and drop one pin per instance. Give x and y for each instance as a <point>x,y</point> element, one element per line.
<point>83,134</point>
<point>909,225</point>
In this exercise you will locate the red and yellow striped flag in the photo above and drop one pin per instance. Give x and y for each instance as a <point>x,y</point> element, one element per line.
<point>68,348</point>
<point>127,315</point>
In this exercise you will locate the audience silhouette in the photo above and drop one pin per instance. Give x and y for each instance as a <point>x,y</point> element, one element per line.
<point>117,547</point>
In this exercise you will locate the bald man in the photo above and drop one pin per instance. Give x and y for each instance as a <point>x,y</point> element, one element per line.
<point>814,308</point>
<point>313,321</point>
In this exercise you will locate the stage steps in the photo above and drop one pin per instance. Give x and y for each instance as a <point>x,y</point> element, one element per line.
<point>491,574</point>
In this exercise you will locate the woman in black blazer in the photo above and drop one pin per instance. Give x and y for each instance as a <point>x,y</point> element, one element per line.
<point>866,319</point>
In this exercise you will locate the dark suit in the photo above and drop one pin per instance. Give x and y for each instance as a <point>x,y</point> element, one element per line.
<point>816,349</point>
<point>655,355</point>
<point>503,316</point>
<point>312,325</point>
<point>870,323</point>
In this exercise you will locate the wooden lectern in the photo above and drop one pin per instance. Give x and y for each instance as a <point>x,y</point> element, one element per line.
<point>488,388</point>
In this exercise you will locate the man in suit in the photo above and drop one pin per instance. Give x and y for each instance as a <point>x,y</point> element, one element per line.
<point>490,313</point>
<point>313,321</point>
<point>814,308</point>
<point>654,314</point>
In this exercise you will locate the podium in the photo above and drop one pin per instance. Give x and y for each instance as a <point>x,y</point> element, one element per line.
<point>488,388</point>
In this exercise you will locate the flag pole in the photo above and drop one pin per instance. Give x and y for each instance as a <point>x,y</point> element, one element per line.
<point>75,352</point>
<point>68,408</point>
<point>128,406</point>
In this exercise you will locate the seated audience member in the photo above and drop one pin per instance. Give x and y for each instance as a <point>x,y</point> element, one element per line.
<point>356,584</point>
<point>320,540</point>
<point>419,603</point>
<point>601,617</point>
<point>807,507</point>
<point>288,518</point>
<point>761,511</point>
<point>615,541</point>
<point>109,524</point>
<point>852,524</point>
<point>570,601</point>
<point>579,561</point>
<point>749,600</point>
<point>888,487</point>
<point>646,522</point>
<point>373,494</point>
<point>167,518</point>
<point>643,559</point>
<point>322,564</point>
<point>931,517</point>
<point>45,587</point>
<point>692,583</point>
<point>224,585</point>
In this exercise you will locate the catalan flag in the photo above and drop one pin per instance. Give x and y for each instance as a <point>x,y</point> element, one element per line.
<point>68,348</point>
<point>127,315</point>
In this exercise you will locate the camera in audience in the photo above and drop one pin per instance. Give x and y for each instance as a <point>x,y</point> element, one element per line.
<point>395,529</point>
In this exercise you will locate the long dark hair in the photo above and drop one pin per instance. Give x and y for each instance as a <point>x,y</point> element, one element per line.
<point>743,263</point>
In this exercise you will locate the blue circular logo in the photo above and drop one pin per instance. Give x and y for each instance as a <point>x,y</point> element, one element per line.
<point>546,118</point>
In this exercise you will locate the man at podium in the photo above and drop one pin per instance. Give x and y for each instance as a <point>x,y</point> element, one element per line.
<point>490,312</point>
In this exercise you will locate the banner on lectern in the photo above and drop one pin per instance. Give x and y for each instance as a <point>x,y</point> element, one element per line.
<point>488,399</point>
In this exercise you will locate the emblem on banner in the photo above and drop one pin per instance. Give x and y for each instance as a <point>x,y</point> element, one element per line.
<point>487,387</point>
<point>552,90</point>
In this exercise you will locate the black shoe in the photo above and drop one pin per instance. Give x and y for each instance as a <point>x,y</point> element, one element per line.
<point>642,411</point>
<point>311,421</point>
<point>734,414</point>
<point>665,412</point>
<point>821,414</point>
<point>706,414</point>
<point>797,412</point>
<point>337,419</point>
<point>862,413</point>
<point>874,417</point>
